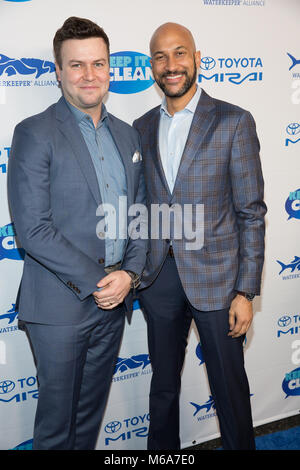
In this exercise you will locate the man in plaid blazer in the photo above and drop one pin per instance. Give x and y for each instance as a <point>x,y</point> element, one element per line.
<point>202,152</point>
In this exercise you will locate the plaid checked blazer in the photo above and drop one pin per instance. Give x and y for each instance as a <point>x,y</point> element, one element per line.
<point>220,168</point>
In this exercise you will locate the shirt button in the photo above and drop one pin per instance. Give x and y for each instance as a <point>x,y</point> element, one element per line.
<point>101,234</point>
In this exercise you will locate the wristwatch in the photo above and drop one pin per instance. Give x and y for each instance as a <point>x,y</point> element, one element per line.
<point>249,297</point>
<point>135,279</point>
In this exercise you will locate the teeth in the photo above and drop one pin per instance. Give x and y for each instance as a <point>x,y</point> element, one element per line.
<point>173,77</point>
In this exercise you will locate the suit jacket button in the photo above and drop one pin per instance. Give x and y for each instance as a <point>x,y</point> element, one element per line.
<point>101,260</point>
<point>69,283</point>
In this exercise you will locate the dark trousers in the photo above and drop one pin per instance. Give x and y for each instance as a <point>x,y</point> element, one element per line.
<point>169,315</point>
<point>75,365</point>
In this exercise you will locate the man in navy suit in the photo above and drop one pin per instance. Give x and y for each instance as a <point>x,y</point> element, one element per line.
<point>66,166</point>
<point>200,152</point>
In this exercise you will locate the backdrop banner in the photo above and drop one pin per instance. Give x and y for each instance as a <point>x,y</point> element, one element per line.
<point>250,57</point>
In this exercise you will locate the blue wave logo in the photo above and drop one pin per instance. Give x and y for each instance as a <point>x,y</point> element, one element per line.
<point>26,445</point>
<point>10,315</point>
<point>25,66</point>
<point>17,1</point>
<point>293,265</point>
<point>291,383</point>
<point>8,246</point>
<point>133,362</point>
<point>292,204</point>
<point>130,72</point>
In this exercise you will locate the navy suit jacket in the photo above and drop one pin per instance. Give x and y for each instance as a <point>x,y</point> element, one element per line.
<point>54,194</point>
<point>220,168</point>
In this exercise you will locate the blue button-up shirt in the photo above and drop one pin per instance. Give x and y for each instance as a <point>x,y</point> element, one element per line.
<point>173,133</point>
<point>110,174</point>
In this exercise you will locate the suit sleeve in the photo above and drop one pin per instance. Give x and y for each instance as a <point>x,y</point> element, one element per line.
<point>248,191</point>
<point>29,196</point>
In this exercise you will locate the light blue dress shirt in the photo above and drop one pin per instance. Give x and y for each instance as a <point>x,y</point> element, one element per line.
<point>173,133</point>
<point>110,174</point>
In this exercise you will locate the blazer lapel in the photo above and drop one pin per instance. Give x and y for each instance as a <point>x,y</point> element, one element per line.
<point>202,121</point>
<point>154,147</point>
<point>72,133</point>
<point>127,164</point>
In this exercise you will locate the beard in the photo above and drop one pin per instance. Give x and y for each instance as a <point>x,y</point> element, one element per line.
<point>188,83</point>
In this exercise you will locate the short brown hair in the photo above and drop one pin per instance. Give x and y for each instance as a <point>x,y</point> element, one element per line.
<point>77,28</point>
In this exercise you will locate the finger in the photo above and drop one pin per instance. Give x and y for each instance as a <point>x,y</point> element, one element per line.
<point>231,319</point>
<point>239,329</point>
<point>105,281</point>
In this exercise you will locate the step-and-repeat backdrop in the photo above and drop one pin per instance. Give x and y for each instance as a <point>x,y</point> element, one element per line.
<point>251,57</point>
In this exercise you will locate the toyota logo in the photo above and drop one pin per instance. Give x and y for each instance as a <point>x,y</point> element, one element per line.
<point>284,321</point>
<point>112,427</point>
<point>6,386</point>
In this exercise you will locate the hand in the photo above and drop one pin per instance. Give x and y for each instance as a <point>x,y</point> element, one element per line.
<point>240,316</point>
<point>114,288</point>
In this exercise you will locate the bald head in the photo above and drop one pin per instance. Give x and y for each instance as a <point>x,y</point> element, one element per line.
<point>170,30</point>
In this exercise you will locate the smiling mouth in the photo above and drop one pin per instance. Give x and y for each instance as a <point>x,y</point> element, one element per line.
<point>174,77</point>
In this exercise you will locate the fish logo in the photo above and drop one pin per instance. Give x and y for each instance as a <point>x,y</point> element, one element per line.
<point>293,265</point>
<point>10,314</point>
<point>133,362</point>
<point>8,246</point>
<point>208,406</point>
<point>294,61</point>
<point>25,66</point>
<point>199,354</point>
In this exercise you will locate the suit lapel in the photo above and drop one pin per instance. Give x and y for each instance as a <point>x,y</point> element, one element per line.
<point>203,118</point>
<point>71,131</point>
<point>126,162</point>
<point>154,147</point>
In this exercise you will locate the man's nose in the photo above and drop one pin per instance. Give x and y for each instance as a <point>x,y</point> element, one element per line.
<point>171,64</point>
<point>89,73</point>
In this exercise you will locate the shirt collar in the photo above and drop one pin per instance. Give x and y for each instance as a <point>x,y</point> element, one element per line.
<point>191,105</point>
<point>80,115</point>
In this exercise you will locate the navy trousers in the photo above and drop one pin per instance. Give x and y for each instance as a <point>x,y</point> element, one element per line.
<point>169,315</point>
<point>75,364</point>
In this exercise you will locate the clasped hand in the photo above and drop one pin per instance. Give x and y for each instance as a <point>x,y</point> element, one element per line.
<point>114,288</point>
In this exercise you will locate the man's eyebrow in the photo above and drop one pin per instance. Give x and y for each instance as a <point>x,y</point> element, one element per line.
<point>162,52</point>
<point>78,61</point>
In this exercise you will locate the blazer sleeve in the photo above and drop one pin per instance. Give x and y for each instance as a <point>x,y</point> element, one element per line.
<point>248,191</point>
<point>29,189</point>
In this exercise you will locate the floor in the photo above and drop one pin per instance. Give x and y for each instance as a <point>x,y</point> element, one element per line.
<point>275,426</point>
